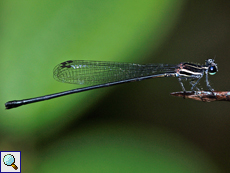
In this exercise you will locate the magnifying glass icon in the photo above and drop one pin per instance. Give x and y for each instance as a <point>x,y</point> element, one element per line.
<point>9,160</point>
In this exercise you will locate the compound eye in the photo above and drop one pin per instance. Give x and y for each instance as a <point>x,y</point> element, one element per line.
<point>212,70</point>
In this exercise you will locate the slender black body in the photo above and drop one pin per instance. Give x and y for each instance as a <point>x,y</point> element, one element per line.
<point>101,74</point>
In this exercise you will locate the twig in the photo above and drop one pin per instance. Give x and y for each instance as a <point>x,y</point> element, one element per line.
<point>205,96</point>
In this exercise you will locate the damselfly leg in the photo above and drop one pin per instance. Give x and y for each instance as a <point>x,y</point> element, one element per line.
<point>207,82</point>
<point>194,84</point>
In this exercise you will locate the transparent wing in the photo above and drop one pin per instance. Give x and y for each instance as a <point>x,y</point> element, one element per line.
<point>99,72</point>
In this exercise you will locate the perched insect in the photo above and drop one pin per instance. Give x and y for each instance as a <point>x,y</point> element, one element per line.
<point>100,74</point>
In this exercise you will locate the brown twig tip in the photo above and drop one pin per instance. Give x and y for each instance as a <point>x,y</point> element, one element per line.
<point>205,96</point>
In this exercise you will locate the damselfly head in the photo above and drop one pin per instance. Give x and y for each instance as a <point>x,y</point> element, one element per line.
<point>212,66</point>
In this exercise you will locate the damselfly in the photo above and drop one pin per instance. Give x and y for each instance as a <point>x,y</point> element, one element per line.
<point>100,74</point>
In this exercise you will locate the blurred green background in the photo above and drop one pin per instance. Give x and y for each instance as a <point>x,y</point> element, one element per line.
<point>134,127</point>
